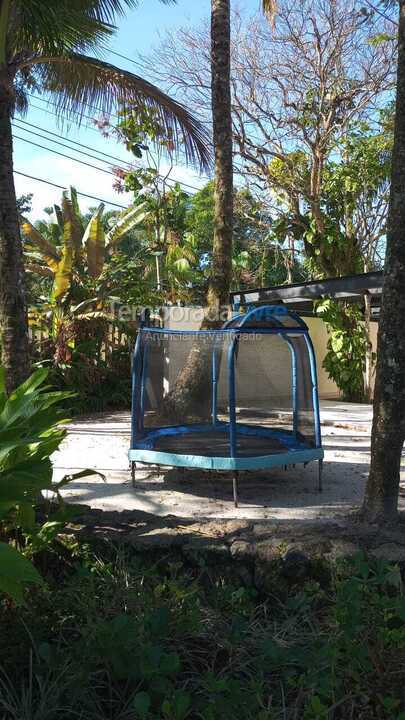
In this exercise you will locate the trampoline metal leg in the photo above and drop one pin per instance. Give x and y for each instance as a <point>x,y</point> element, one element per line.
<point>235,489</point>
<point>133,470</point>
<point>320,470</point>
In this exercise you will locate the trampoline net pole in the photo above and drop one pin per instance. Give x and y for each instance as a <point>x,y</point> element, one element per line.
<point>214,361</point>
<point>294,383</point>
<point>231,396</point>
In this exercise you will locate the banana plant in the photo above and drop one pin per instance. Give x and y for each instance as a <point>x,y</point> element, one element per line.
<point>82,251</point>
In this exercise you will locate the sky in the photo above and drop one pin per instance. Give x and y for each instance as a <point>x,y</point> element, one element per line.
<point>137,32</point>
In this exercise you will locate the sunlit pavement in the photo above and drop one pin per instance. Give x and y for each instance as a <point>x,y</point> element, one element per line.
<point>101,443</point>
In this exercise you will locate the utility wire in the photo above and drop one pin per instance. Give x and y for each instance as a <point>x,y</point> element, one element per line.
<point>75,112</point>
<point>75,142</point>
<point>51,112</point>
<point>81,145</point>
<point>82,162</point>
<point>69,157</point>
<point>90,128</point>
<point>63,187</point>
<point>124,57</point>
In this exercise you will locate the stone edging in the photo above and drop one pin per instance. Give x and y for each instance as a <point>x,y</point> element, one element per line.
<point>264,541</point>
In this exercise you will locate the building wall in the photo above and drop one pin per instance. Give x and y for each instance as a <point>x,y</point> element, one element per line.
<point>177,318</point>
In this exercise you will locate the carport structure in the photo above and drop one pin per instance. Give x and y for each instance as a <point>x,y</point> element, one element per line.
<point>301,297</point>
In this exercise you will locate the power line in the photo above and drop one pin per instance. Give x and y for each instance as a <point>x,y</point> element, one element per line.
<point>74,142</point>
<point>75,112</point>
<point>81,145</point>
<point>92,128</point>
<point>50,112</point>
<point>124,57</point>
<point>82,162</point>
<point>63,187</point>
<point>69,157</point>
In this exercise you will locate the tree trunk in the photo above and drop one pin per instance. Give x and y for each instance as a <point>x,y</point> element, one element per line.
<point>190,389</point>
<point>368,372</point>
<point>13,314</point>
<point>388,433</point>
<point>221,272</point>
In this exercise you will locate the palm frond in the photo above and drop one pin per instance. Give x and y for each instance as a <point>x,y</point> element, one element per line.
<point>107,10</point>
<point>20,100</point>
<point>80,83</point>
<point>59,26</point>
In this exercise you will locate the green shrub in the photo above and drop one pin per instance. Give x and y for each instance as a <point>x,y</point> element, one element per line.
<point>144,638</point>
<point>346,347</point>
<point>93,384</point>
<point>30,431</point>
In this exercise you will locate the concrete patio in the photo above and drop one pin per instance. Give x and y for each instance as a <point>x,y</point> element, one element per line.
<point>101,442</point>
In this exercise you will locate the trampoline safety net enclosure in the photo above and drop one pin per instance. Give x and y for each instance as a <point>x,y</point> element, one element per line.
<point>239,398</point>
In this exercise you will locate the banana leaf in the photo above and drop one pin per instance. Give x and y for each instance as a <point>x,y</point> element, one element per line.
<point>37,241</point>
<point>63,276</point>
<point>94,241</point>
<point>75,206</point>
<point>133,217</point>
<point>59,216</point>
<point>37,269</point>
<point>72,225</point>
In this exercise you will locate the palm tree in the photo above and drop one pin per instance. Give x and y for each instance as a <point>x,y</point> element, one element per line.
<point>388,432</point>
<point>51,47</point>
<point>190,385</point>
<point>221,271</point>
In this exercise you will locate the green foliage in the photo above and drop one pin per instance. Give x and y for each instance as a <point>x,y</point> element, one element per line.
<point>24,203</point>
<point>346,347</point>
<point>259,252</point>
<point>90,278</point>
<point>30,432</point>
<point>72,251</point>
<point>181,226</point>
<point>124,636</point>
<point>16,572</point>
<point>96,384</point>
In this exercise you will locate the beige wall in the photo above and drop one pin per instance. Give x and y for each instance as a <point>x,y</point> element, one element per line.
<point>189,319</point>
<point>319,335</point>
<point>317,328</point>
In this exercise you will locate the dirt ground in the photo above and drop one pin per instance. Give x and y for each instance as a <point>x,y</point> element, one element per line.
<point>101,442</point>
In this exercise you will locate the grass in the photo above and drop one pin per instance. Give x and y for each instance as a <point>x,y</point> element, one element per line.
<point>116,636</point>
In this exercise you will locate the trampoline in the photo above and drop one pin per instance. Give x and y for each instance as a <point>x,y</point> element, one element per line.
<point>243,397</point>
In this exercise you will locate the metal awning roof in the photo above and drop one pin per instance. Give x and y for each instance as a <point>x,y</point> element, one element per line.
<point>301,296</point>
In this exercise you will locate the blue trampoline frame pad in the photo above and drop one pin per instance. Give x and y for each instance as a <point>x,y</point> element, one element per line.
<point>293,457</point>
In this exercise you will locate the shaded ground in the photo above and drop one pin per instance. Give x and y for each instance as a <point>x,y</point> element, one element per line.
<point>102,442</point>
